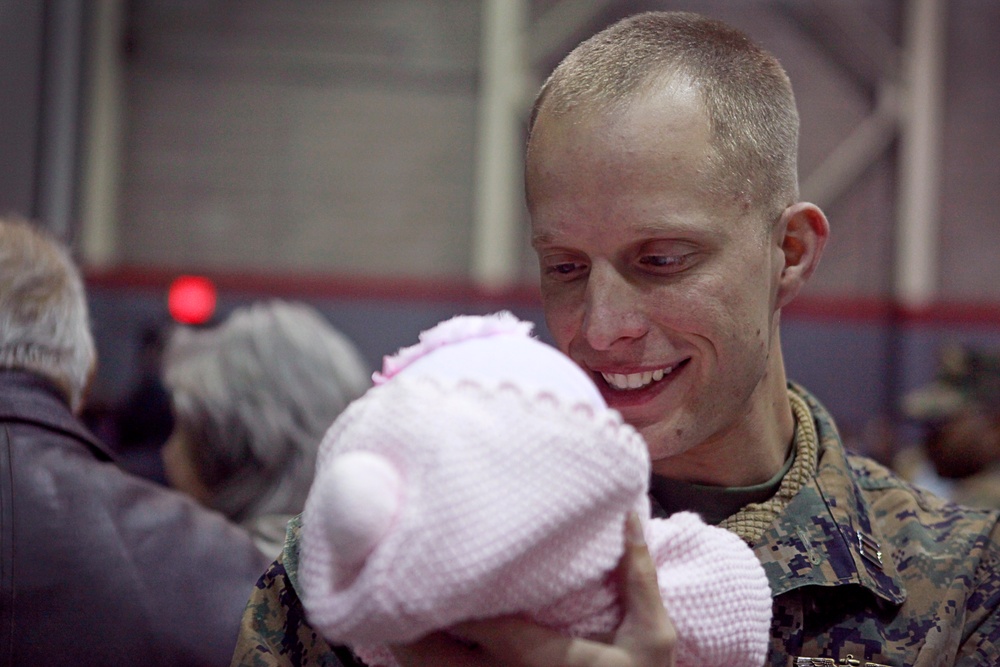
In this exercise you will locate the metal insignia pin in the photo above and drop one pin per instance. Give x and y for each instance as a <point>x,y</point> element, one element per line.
<point>870,549</point>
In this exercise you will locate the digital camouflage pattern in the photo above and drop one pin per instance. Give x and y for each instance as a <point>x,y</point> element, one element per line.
<point>274,630</point>
<point>865,570</point>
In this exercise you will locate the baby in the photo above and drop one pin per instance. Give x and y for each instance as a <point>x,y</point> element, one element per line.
<point>485,476</point>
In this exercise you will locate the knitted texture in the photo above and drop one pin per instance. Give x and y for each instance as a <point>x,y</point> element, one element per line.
<point>456,330</point>
<point>714,589</point>
<point>462,488</point>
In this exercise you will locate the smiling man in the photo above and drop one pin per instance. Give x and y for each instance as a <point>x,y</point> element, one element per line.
<point>666,293</point>
<point>662,185</point>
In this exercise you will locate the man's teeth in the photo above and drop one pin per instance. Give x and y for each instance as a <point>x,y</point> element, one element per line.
<point>635,380</point>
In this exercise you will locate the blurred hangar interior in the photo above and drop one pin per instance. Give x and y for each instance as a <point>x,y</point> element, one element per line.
<point>365,157</point>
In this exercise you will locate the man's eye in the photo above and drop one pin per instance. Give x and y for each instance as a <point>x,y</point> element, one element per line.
<point>564,270</point>
<point>661,260</point>
<point>665,263</point>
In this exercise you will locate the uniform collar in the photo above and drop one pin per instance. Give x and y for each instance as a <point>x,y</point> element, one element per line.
<point>826,535</point>
<point>290,550</point>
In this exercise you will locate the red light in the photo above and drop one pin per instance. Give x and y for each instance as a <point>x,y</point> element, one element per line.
<point>191,299</point>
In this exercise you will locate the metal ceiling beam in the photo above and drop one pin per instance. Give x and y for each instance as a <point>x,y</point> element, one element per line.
<point>512,44</point>
<point>869,141</point>
<point>562,23</point>
<point>852,39</point>
<point>918,221</point>
<point>503,76</point>
<point>909,86</point>
<point>101,168</point>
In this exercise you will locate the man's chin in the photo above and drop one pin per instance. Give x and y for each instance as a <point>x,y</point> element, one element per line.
<point>662,451</point>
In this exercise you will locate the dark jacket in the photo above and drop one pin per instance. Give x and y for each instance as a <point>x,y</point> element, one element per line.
<point>100,567</point>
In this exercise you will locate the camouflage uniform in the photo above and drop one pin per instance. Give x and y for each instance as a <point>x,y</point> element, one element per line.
<point>274,630</point>
<point>865,570</point>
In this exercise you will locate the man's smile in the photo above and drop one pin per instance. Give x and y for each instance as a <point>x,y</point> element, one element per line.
<point>635,380</point>
<point>619,385</point>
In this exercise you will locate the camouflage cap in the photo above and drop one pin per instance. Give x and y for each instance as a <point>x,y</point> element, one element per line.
<point>965,377</point>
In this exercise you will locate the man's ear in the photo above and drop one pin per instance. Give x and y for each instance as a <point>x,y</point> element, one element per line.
<point>801,234</point>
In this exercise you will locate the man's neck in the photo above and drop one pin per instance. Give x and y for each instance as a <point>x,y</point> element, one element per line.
<point>750,452</point>
<point>713,503</point>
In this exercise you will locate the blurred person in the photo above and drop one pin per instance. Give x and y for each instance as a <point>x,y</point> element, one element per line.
<point>99,567</point>
<point>144,419</point>
<point>662,189</point>
<point>252,398</point>
<point>959,412</point>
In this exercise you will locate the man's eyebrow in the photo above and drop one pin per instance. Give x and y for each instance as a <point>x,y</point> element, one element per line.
<point>666,229</point>
<point>541,238</point>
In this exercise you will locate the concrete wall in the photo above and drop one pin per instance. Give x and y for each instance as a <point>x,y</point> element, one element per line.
<point>336,137</point>
<point>21,30</point>
<point>341,137</point>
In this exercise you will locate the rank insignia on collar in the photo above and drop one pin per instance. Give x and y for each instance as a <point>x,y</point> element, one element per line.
<point>849,661</point>
<point>870,550</point>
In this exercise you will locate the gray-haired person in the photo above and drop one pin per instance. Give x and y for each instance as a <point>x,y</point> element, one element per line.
<point>97,566</point>
<point>252,398</point>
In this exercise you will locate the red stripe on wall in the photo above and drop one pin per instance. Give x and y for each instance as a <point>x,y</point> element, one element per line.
<point>320,286</point>
<point>886,311</point>
<point>332,286</point>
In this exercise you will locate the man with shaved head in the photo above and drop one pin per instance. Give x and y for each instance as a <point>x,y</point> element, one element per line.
<point>662,187</point>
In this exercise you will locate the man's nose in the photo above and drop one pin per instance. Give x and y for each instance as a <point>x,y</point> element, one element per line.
<point>613,310</point>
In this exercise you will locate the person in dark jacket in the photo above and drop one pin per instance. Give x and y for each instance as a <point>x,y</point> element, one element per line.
<point>97,566</point>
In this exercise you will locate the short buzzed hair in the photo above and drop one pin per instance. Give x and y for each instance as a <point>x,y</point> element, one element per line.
<point>746,94</point>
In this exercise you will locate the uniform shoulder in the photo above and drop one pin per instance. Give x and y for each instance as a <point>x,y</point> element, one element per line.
<point>902,504</point>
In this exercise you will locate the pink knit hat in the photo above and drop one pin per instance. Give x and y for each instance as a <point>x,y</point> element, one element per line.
<point>483,476</point>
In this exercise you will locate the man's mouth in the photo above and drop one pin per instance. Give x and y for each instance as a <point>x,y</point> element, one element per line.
<point>632,381</point>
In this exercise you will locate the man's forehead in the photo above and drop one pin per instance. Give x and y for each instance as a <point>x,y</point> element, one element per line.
<point>663,100</point>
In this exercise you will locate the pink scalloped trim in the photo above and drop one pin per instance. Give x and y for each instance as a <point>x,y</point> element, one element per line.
<point>457,329</point>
